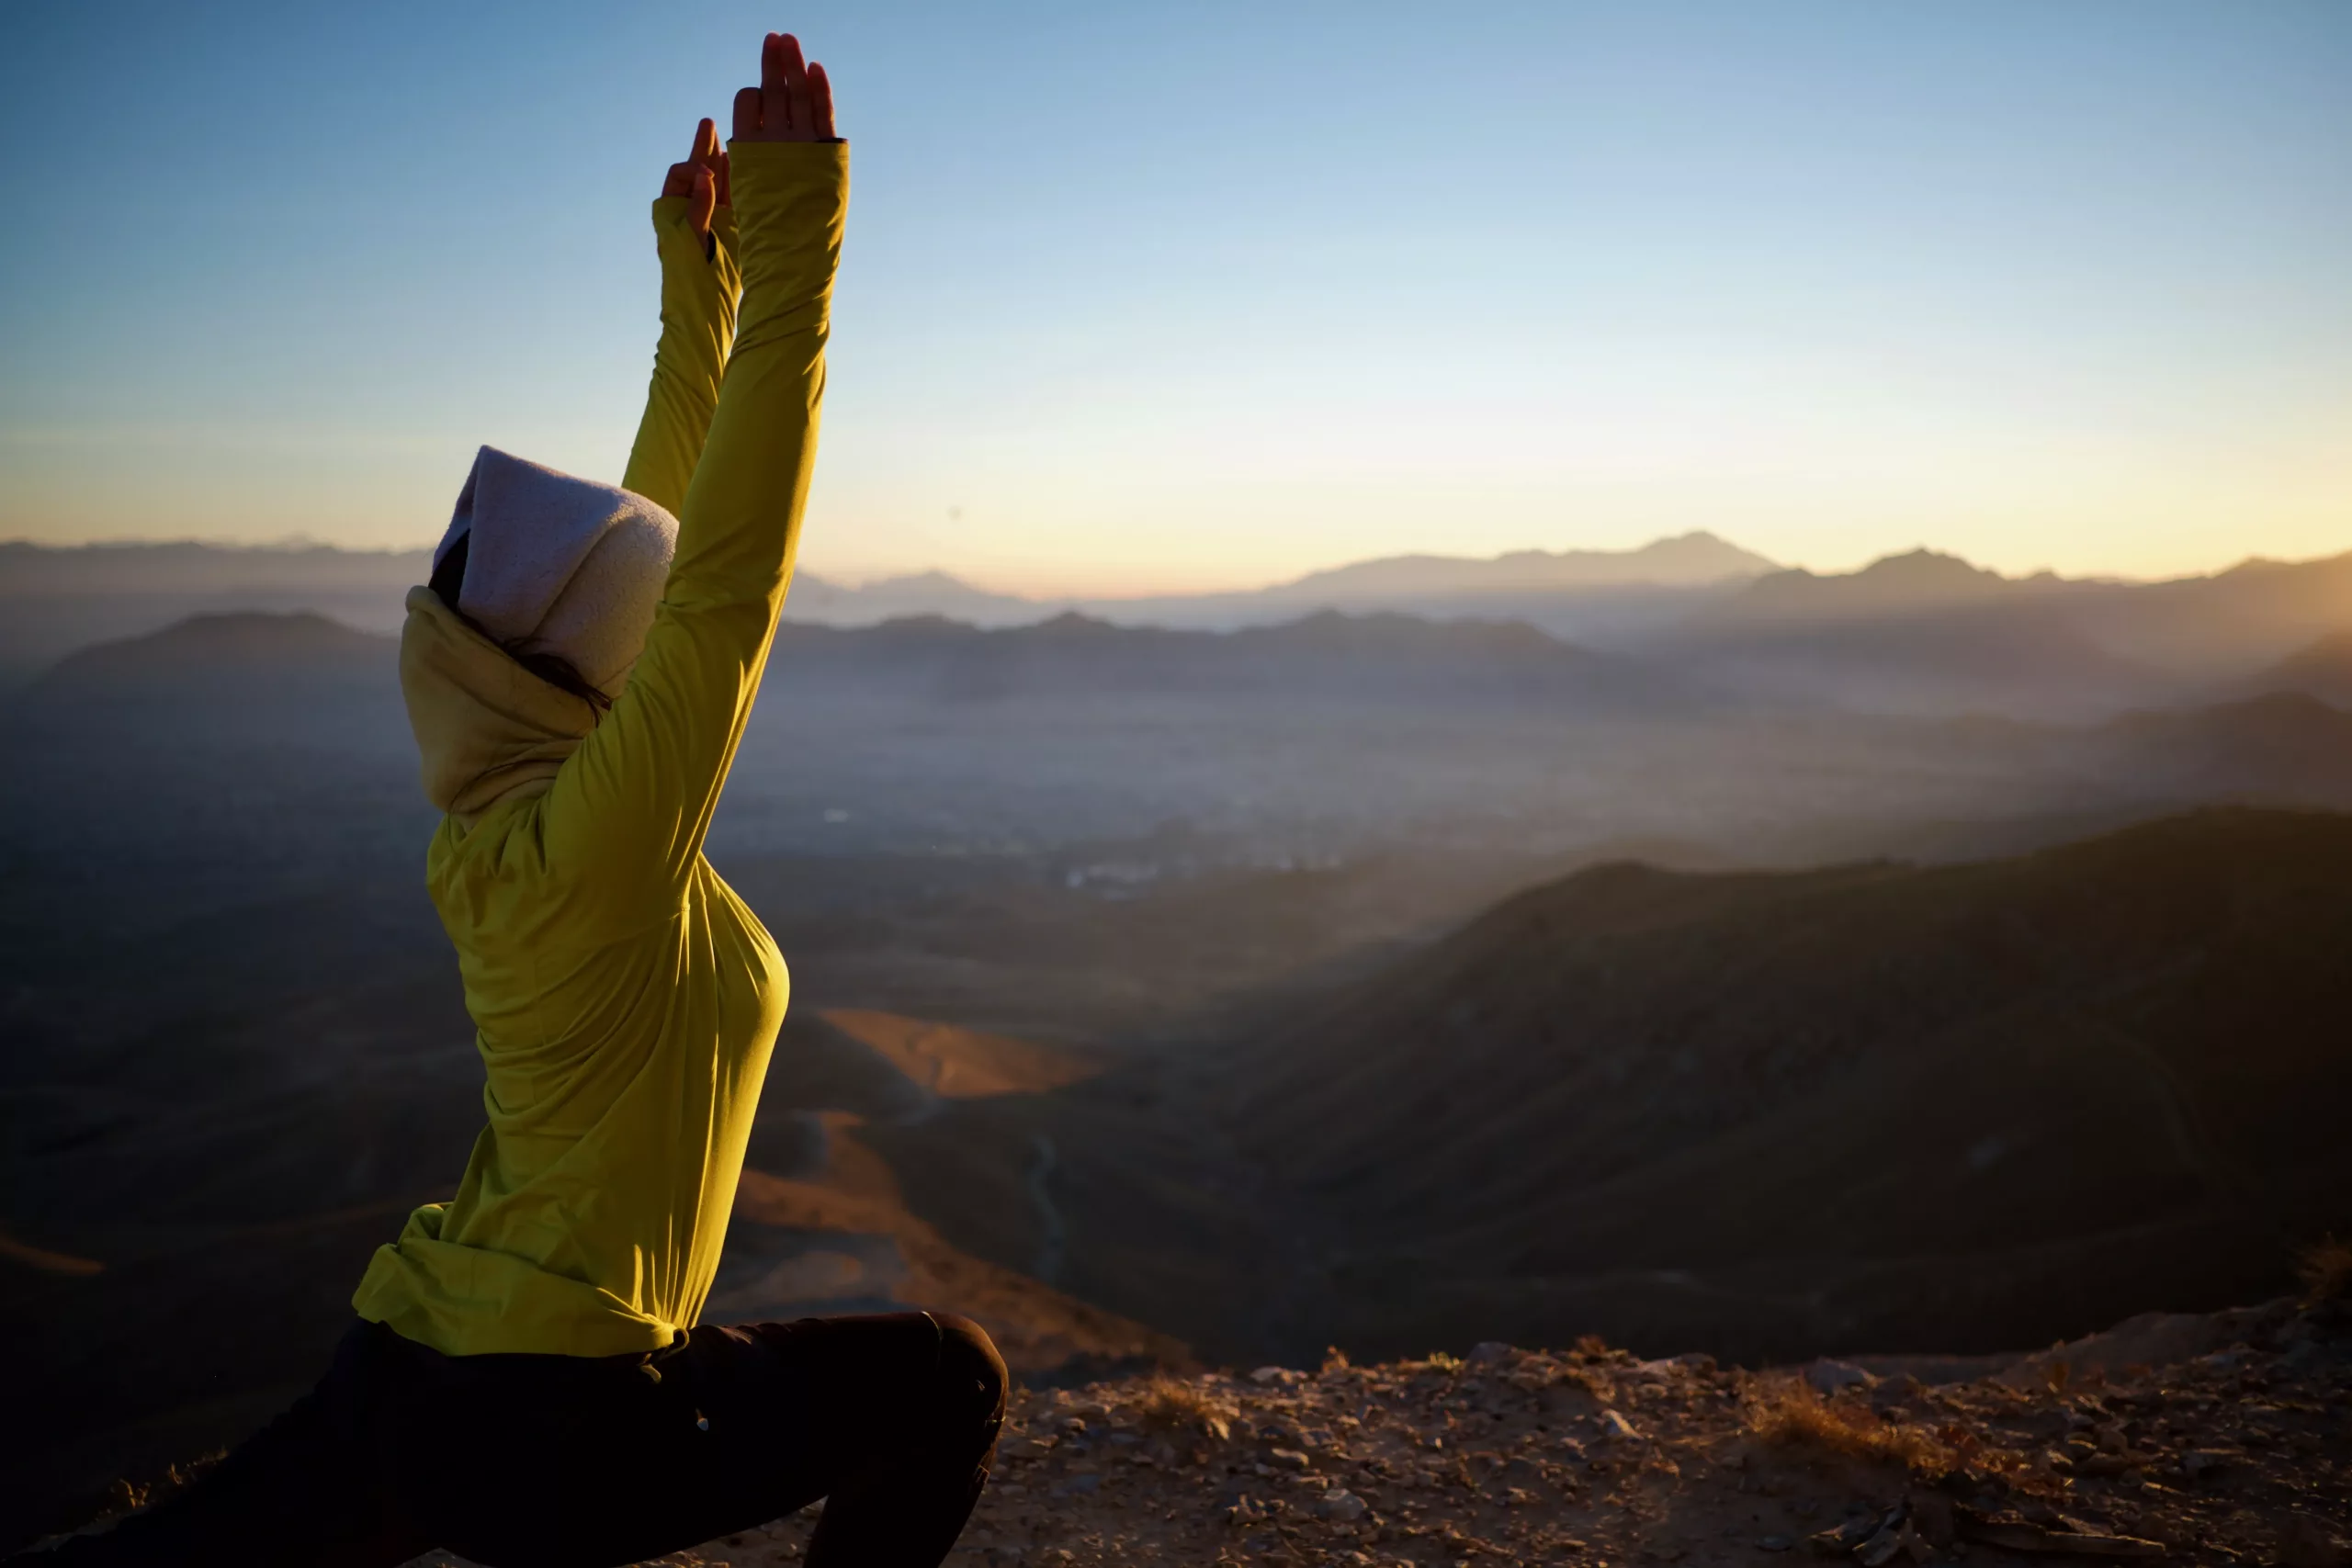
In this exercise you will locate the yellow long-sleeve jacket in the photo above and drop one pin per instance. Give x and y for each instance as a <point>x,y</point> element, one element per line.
<point>625,999</point>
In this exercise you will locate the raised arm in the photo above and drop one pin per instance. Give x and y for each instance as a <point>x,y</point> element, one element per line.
<point>694,230</point>
<point>629,811</point>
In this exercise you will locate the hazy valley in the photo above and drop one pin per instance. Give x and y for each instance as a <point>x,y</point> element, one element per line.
<point>1714,958</point>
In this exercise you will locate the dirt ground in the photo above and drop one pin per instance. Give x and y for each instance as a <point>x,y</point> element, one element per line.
<point>2230,1443</point>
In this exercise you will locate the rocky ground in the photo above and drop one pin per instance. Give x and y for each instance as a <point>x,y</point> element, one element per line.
<point>2222,1439</point>
<point>2211,1439</point>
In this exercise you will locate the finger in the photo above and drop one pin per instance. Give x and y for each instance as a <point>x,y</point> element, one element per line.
<point>820,101</point>
<point>703,200</point>
<point>775,93</point>
<point>709,156</point>
<point>679,181</point>
<point>795,85</point>
<point>718,169</point>
<point>747,113</point>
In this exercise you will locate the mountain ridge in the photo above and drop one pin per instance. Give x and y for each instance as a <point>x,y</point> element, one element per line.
<point>1763,1113</point>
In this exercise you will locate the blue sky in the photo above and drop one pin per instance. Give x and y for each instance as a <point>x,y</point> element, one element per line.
<point>1141,298</point>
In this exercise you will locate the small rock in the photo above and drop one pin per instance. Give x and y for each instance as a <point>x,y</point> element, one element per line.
<point>1289,1458</point>
<point>1616,1427</point>
<point>1775,1543</point>
<point>2196,1465</point>
<point>1341,1505</point>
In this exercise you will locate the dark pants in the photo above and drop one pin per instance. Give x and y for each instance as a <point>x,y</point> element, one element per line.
<point>519,1461</point>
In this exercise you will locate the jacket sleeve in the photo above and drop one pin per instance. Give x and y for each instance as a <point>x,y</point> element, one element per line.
<point>627,815</point>
<point>700,288</point>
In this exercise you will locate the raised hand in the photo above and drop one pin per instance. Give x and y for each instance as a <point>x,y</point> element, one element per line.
<point>701,178</point>
<point>794,101</point>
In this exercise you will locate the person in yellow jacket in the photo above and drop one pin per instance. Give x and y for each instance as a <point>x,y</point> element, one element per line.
<point>527,1384</point>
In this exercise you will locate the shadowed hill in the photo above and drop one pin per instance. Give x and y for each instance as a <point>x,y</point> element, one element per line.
<point>1872,1104</point>
<point>213,650</point>
<point>2283,745</point>
<point>2321,668</point>
<point>55,600</point>
<point>1764,1114</point>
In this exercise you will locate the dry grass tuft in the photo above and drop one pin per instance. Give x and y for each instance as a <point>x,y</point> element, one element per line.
<point>1787,1412</point>
<point>2325,1267</point>
<point>1175,1405</point>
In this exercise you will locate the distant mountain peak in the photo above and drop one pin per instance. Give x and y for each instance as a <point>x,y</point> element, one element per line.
<point>229,645</point>
<point>1924,565</point>
<point>1903,584</point>
<point>930,582</point>
<point>249,633</point>
<point>1684,560</point>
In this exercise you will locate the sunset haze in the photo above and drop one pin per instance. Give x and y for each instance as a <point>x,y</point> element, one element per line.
<point>1158,299</point>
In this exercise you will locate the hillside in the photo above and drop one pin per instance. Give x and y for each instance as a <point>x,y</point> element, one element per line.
<point>1930,633</point>
<point>1914,582</point>
<point>2230,622</point>
<point>2321,668</point>
<point>218,650</point>
<point>54,602</point>
<point>2282,745</point>
<point>1956,1107</point>
<point>2019,655</point>
<point>1761,1114</point>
